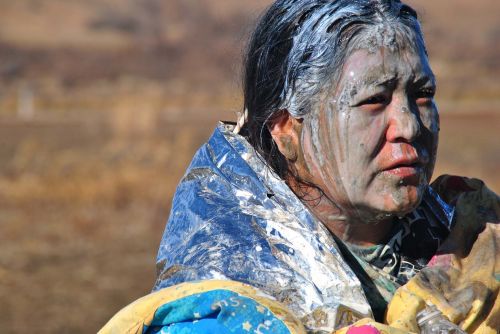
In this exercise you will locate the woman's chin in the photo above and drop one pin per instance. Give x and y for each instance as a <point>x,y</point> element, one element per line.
<point>397,202</point>
<point>404,200</point>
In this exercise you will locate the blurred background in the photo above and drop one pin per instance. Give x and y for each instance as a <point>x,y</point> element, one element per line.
<point>102,105</point>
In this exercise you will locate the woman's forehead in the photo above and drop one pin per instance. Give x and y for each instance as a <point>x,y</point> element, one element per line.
<point>383,65</point>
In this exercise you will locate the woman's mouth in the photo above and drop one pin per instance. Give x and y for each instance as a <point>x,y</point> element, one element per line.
<point>407,170</point>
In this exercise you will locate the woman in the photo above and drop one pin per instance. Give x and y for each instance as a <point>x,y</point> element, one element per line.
<point>320,196</point>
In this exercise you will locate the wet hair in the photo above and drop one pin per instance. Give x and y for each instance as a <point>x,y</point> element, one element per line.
<point>298,50</point>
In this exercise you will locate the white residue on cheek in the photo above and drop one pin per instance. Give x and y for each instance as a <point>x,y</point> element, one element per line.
<point>342,120</point>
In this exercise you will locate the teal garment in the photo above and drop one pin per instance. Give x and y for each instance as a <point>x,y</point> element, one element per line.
<point>215,312</point>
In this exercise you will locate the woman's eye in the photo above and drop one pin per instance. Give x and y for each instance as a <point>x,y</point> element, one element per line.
<point>377,99</point>
<point>425,94</point>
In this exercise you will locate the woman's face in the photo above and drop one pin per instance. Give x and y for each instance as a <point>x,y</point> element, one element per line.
<point>371,143</point>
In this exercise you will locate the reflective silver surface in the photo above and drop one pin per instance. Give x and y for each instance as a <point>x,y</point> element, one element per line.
<point>232,218</point>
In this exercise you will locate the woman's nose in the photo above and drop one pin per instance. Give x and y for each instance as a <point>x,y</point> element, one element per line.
<point>403,123</point>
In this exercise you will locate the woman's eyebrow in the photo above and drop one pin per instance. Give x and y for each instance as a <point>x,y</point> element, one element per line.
<point>423,79</point>
<point>381,81</point>
<point>386,81</point>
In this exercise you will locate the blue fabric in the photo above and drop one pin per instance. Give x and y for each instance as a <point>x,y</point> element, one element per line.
<point>215,312</point>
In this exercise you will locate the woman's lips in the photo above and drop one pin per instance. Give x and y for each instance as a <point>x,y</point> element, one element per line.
<point>403,162</point>
<point>404,172</point>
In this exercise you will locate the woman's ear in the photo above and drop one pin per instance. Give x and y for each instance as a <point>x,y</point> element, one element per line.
<point>285,131</point>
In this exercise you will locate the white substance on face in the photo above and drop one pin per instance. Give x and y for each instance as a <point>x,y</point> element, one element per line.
<point>335,130</point>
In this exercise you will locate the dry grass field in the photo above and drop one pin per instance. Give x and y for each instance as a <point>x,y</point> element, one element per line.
<point>102,105</point>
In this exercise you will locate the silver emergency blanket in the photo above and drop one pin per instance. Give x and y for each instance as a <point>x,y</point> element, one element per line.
<point>232,218</point>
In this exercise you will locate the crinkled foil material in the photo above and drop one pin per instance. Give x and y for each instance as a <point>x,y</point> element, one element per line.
<point>232,218</point>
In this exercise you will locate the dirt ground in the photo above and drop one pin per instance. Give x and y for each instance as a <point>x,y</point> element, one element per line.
<point>82,218</point>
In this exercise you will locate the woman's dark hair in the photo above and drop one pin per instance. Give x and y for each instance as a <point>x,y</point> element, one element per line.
<point>298,49</point>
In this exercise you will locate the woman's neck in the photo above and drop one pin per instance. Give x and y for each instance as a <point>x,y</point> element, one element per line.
<point>361,234</point>
<point>350,228</point>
